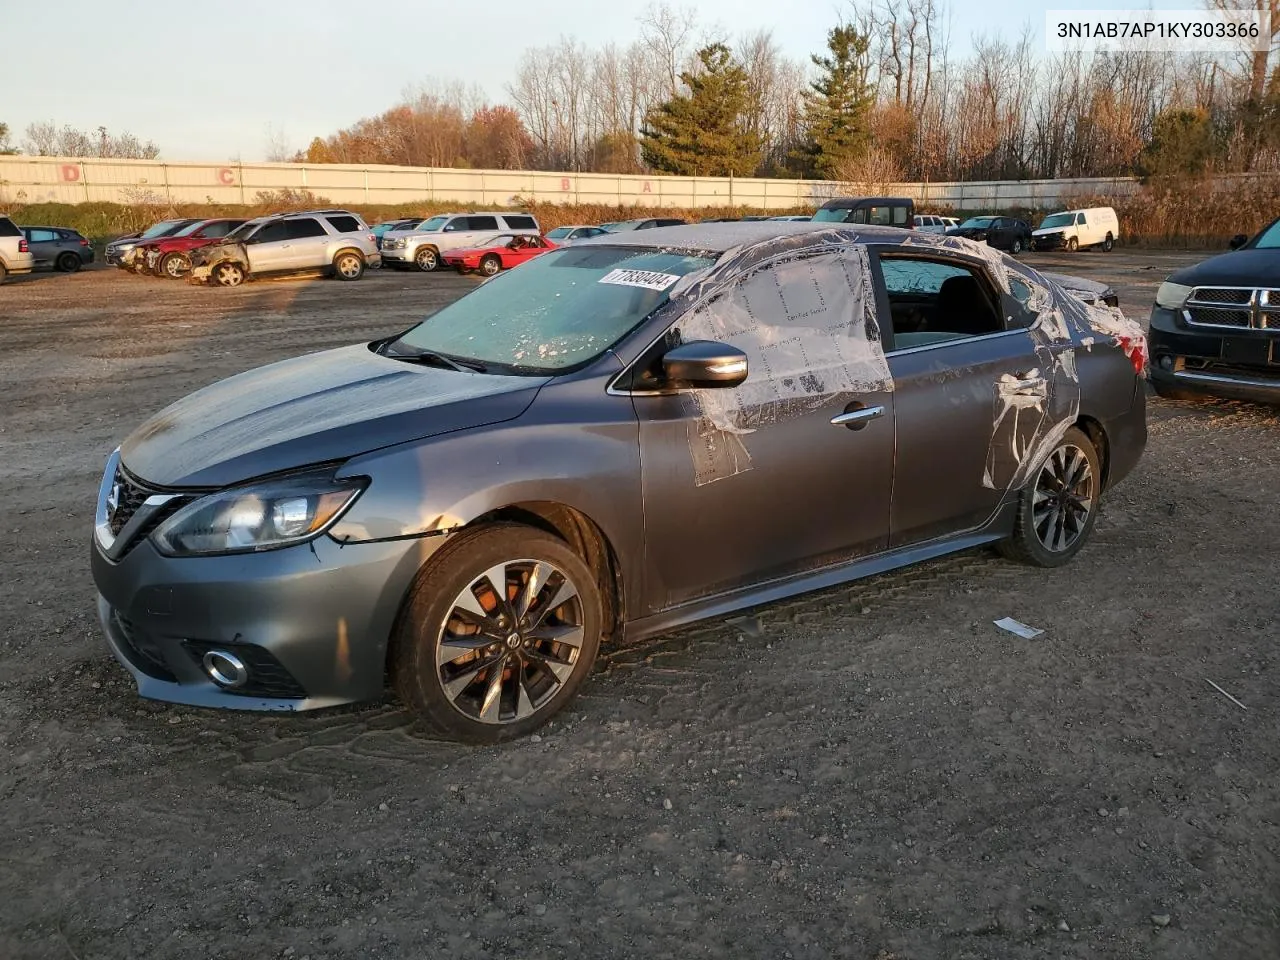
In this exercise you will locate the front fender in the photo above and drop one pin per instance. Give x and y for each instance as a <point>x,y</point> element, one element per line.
<point>443,483</point>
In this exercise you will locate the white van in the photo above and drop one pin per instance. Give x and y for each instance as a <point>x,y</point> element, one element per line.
<point>423,245</point>
<point>1073,229</point>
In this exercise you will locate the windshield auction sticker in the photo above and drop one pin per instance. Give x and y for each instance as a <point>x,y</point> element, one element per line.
<point>640,278</point>
<point>1167,31</point>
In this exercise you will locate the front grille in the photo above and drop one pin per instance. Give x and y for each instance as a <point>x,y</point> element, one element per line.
<point>267,675</point>
<point>142,649</point>
<point>1216,317</point>
<point>1234,307</point>
<point>1222,295</point>
<point>130,495</point>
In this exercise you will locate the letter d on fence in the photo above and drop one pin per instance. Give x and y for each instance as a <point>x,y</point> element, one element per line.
<point>70,172</point>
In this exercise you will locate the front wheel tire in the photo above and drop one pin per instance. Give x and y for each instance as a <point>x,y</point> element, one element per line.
<point>499,632</point>
<point>228,275</point>
<point>1016,247</point>
<point>1058,508</point>
<point>1071,244</point>
<point>427,260</point>
<point>175,266</point>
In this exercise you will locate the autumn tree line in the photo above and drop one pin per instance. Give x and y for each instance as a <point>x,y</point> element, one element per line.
<point>884,101</point>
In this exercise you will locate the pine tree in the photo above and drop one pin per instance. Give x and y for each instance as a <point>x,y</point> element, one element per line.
<point>701,133</point>
<point>838,105</point>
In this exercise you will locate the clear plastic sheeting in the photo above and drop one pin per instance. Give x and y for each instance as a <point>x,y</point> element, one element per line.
<point>808,327</point>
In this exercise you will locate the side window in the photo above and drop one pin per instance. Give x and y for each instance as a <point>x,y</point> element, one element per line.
<point>42,236</point>
<point>520,223</point>
<point>935,300</point>
<point>881,216</point>
<point>808,328</point>
<point>7,228</point>
<point>900,216</point>
<point>1080,219</point>
<point>457,223</point>
<point>858,216</point>
<point>305,227</point>
<point>479,223</point>
<point>272,232</point>
<point>344,224</point>
<point>220,229</point>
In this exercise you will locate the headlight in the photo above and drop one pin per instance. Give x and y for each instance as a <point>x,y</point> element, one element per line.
<point>1172,296</point>
<point>260,516</point>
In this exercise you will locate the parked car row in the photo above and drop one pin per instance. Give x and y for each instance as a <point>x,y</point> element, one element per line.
<point>23,249</point>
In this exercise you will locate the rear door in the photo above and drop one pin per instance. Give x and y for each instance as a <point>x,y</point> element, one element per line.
<point>757,482</point>
<point>43,245</point>
<point>974,391</point>
<point>308,244</point>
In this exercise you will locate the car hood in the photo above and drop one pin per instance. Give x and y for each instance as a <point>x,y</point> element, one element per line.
<point>1239,268</point>
<point>967,231</point>
<point>1045,231</point>
<point>313,409</point>
<point>1068,282</point>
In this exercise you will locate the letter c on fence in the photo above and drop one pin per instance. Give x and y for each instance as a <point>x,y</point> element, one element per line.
<point>226,175</point>
<point>70,173</point>
<point>564,183</point>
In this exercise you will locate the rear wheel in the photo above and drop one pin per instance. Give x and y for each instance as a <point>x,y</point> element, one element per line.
<point>1016,246</point>
<point>497,635</point>
<point>228,274</point>
<point>427,259</point>
<point>348,265</point>
<point>174,265</point>
<point>490,265</point>
<point>1071,244</point>
<point>1057,510</point>
<point>1108,243</point>
<point>3,273</point>
<point>68,262</point>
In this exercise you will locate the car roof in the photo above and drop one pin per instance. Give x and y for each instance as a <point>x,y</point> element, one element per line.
<point>719,237</point>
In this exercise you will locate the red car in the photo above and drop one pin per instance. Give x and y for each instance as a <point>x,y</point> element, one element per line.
<point>501,253</point>
<point>170,256</point>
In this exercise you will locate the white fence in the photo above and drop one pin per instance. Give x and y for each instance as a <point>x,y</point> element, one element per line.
<point>69,180</point>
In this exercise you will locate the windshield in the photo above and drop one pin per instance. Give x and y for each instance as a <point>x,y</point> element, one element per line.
<point>162,229</point>
<point>559,233</point>
<point>978,223</point>
<point>623,225</point>
<point>1269,239</point>
<point>190,228</point>
<point>242,231</point>
<point>833,214</point>
<point>558,310</point>
<point>1058,220</point>
<point>427,226</point>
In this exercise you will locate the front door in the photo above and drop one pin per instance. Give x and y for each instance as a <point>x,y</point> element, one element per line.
<point>269,248</point>
<point>976,392</point>
<point>756,482</point>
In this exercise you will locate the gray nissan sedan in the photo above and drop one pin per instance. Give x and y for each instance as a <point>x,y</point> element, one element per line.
<point>613,440</point>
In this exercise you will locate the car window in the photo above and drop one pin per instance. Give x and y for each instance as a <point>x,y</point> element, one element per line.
<point>272,232</point>
<point>899,216</point>
<point>219,229</point>
<point>41,236</point>
<point>344,224</point>
<point>558,310</point>
<point>520,222</point>
<point>1080,219</point>
<point>933,300</point>
<point>1269,239</point>
<point>303,228</point>
<point>559,233</point>
<point>480,223</point>
<point>8,228</point>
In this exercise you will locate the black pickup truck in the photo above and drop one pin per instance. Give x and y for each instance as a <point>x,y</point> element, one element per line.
<point>1215,327</point>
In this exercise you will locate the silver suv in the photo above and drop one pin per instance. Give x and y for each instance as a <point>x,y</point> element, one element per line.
<point>15,254</point>
<point>338,242</point>
<point>423,245</point>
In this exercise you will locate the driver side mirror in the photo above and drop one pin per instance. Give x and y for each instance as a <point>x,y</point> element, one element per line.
<point>1238,241</point>
<point>704,364</point>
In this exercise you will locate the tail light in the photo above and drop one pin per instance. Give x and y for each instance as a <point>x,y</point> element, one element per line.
<point>84,242</point>
<point>22,247</point>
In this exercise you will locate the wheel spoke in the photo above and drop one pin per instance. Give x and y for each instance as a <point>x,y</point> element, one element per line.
<point>452,648</point>
<point>570,634</point>
<point>524,706</point>
<point>455,686</point>
<point>566,592</point>
<point>560,669</point>
<point>538,578</point>
<point>491,706</point>
<point>497,581</point>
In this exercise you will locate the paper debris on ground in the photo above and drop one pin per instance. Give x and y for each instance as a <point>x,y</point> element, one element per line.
<point>1018,629</point>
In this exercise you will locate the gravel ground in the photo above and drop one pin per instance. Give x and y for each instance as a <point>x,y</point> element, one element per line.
<point>874,771</point>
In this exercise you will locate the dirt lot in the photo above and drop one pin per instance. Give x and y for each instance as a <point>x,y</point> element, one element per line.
<point>876,772</point>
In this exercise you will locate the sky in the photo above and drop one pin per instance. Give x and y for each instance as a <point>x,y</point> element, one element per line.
<point>207,83</point>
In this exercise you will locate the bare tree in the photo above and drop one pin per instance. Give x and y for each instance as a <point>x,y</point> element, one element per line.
<point>669,35</point>
<point>48,140</point>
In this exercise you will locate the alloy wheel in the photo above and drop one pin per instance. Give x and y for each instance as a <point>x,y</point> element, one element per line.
<point>349,266</point>
<point>1065,494</point>
<point>490,267</point>
<point>230,275</point>
<point>427,260</point>
<point>176,267</point>
<point>510,642</point>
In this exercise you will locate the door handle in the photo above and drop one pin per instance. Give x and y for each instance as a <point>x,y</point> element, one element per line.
<point>857,419</point>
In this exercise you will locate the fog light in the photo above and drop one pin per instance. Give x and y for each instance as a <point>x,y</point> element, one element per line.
<point>225,669</point>
<point>1166,362</point>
